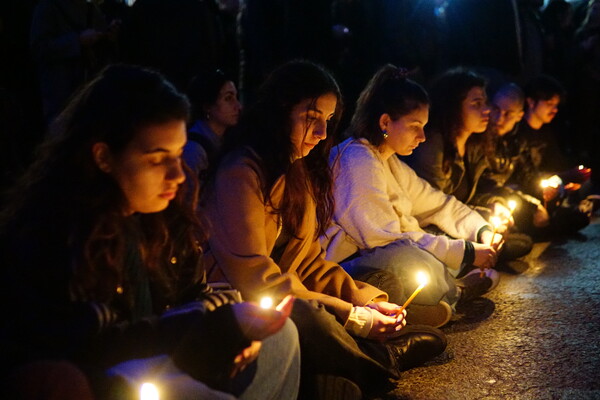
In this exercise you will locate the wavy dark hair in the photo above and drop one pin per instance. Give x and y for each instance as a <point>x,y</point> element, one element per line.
<point>388,92</point>
<point>64,192</point>
<point>447,94</point>
<point>266,128</point>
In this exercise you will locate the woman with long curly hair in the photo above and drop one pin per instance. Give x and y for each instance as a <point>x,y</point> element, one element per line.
<point>268,203</point>
<point>102,260</point>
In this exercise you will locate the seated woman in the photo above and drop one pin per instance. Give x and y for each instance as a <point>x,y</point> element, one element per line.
<point>268,203</point>
<point>382,206</point>
<point>215,109</point>
<point>449,161</point>
<point>101,261</point>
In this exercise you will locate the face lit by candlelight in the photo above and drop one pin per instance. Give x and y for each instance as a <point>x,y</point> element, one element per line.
<point>475,111</point>
<point>148,170</point>
<point>309,122</point>
<point>542,111</point>
<point>406,132</point>
<point>506,112</point>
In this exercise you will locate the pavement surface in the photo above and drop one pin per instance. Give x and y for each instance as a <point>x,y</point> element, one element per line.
<point>536,336</point>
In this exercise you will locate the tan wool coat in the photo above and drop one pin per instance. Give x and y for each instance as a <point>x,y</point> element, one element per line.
<point>243,234</point>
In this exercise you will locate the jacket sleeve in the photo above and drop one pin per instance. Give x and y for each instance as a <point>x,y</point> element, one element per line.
<point>243,236</point>
<point>427,161</point>
<point>433,207</point>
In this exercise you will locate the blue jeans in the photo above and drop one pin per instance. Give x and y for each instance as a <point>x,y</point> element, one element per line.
<point>277,374</point>
<point>404,258</point>
<point>274,375</point>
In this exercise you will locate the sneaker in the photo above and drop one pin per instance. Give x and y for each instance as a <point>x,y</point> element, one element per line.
<point>436,316</point>
<point>473,286</point>
<point>333,387</point>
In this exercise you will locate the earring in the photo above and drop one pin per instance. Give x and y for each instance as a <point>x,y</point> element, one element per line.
<point>384,133</point>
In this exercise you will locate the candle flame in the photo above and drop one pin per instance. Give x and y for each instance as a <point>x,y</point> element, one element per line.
<point>496,221</point>
<point>581,167</point>
<point>266,302</point>
<point>512,205</point>
<point>422,278</point>
<point>544,183</point>
<point>149,391</point>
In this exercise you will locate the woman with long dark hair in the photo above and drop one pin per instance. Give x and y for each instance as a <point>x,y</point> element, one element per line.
<point>270,200</point>
<point>215,109</point>
<point>102,259</point>
<point>382,207</point>
<point>451,160</point>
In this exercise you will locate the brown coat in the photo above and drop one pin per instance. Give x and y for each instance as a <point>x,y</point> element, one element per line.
<point>243,233</point>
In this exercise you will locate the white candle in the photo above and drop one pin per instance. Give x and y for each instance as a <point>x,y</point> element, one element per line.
<point>423,280</point>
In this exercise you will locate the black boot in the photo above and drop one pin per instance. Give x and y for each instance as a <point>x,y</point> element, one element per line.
<point>416,345</point>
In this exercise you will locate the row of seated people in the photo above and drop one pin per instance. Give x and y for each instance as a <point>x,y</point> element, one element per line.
<point>108,259</point>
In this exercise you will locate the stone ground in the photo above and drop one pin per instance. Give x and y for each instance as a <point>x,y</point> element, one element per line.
<point>536,336</point>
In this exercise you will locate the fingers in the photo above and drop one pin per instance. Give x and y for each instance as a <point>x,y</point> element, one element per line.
<point>385,307</point>
<point>245,358</point>
<point>258,323</point>
<point>385,326</point>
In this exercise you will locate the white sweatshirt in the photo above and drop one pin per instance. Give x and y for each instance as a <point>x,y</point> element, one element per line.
<point>378,202</point>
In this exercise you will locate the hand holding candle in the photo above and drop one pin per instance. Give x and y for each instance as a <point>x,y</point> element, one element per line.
<point>496,222</point>
<point>511,206</point>
<point>423,280</point>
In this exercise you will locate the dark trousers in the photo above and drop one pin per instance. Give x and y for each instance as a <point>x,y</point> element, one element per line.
<point>326,348</point>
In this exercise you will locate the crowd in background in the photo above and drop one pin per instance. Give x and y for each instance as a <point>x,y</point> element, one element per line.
<point>506,40</point>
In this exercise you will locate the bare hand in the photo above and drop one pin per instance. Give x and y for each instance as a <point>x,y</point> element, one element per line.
<point>505,216</point>
<point>245,358</point>
<point>549,193</point>
<point>486,238</point>
<point>485,256</point>
<point>258,323</point>
<point>384,326</point>
<point>386,308</point>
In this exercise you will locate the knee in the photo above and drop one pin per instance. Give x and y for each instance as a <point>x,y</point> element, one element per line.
<point>387,281</point>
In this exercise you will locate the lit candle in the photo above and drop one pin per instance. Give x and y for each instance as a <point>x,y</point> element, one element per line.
<point>496,222</point>
<point>422,279</point>
<point>266,302</point>
<point>149,391</point>
<point>581,167</point>
<point>512,205</point>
